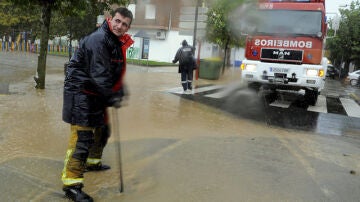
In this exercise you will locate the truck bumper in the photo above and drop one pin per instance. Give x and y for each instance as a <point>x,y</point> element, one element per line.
<point>287,76</point>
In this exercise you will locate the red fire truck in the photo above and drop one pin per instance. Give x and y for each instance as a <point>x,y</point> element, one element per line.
<point>286,49</point>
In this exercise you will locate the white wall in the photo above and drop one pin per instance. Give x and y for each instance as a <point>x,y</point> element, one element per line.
<point>237,54</point>
<point>164,50</point>
<point>206,50</point>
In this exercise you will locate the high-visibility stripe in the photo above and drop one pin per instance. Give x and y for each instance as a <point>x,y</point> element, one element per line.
<point>64,179</point>
<point>68,154</point>
<point>71,181</point>
<point>93,161</point>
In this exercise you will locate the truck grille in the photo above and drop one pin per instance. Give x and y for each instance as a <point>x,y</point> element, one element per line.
<point>281,55</point>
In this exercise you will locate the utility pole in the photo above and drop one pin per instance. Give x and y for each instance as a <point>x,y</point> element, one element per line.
<point>194,38</point>
<point>196,20</point>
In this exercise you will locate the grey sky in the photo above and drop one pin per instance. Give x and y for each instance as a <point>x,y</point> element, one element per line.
<point>332,6</point>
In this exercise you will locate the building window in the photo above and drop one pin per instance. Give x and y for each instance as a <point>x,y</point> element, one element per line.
<point>132,8</point>
<point>150,11</point>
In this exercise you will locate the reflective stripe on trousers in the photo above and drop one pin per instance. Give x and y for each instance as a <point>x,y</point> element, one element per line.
<point>85,146</point>
<point>74,165</point>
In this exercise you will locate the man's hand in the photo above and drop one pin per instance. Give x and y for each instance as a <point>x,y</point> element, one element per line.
<point>115,102</point>
<point>118,99</point>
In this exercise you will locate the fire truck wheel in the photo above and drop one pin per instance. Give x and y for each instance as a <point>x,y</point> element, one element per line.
<point>311,96</point>
<point>254,86</point>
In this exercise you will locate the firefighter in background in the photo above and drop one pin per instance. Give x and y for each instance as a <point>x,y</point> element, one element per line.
<point>187,63</point>
<point>93,82</point>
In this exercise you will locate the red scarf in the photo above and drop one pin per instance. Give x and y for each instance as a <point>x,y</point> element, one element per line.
<point>126,41</point>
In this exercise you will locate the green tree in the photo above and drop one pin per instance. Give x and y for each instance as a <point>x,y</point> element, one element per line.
<point>220,23</point>
<point>71,24</point>
<point>14,20</point>
<point>67,8</point>
<point>345,46</point>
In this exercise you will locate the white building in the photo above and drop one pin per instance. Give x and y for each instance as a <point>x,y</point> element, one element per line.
<point>159,27</point>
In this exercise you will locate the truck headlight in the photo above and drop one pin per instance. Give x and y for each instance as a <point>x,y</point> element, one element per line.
<point>248,67</point>
<point>315,72</point>
<point>311,72</point>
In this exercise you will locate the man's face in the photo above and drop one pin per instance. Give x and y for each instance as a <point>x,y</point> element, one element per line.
<point>120,24</point>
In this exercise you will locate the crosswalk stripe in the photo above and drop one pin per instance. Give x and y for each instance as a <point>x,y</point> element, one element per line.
<point>218,95</point>
<point>180,90</point>
<point>207,88</point>
<point>280,103</point>
<point>227,90</point>
<point>351,107</point>
<point>320,105</point>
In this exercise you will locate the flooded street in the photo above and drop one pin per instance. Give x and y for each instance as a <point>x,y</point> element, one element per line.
<point>173,149</point>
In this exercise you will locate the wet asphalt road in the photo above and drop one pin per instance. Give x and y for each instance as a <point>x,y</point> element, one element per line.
<point>336,113</point>
<point>292,113</point>
<point>178,147</point>
<point>331,116</point>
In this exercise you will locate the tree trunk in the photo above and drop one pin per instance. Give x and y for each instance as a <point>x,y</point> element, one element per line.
<point>225,56</point>
<point>224,61</point>
<point>45,24</point>
<point>347,66</point>
<point>228,58</point>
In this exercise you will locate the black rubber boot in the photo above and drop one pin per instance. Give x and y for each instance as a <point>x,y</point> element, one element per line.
<point>189,85</point>
<point>184,85</point>
<point>74,193</point>
<point>97,167</point>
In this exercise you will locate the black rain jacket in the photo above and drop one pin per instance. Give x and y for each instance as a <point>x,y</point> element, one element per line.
<point>182,55</point>
<point>94,76</point>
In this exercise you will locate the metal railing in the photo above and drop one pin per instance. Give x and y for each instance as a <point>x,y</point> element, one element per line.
<point>34,48</point>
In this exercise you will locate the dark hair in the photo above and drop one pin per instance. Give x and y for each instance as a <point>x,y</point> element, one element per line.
<point>124,12</point>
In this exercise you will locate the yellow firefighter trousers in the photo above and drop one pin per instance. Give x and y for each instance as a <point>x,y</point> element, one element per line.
<point>85,147</point>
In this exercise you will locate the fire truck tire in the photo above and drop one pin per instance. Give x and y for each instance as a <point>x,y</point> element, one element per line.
<point>254,86</point>
<point>311,97</point>
<point>272,96</point>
